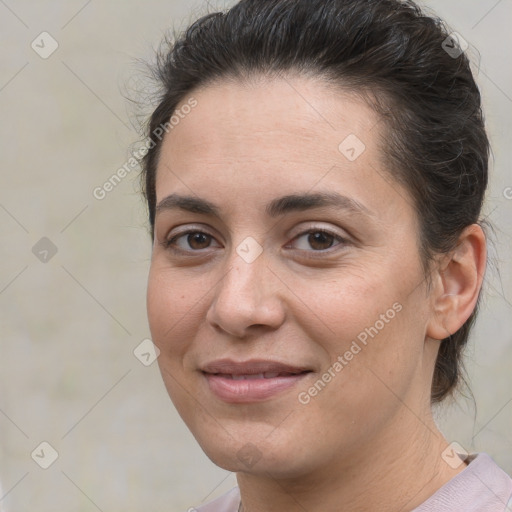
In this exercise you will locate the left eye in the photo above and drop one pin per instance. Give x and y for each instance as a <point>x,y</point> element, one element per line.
<point>318,239</point>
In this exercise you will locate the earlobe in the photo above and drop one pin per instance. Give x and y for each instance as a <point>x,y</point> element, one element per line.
<point>458,284</point>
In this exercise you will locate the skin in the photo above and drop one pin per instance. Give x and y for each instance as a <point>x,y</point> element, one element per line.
<point>367,439</point>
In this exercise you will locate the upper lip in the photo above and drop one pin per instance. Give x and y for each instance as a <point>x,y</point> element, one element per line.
<point>251,367</point>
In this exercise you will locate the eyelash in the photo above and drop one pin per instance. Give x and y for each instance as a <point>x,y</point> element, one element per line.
<point>169,243</point>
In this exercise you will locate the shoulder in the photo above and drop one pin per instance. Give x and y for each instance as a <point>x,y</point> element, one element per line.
<point>228,502</point>
<point>482,487</point>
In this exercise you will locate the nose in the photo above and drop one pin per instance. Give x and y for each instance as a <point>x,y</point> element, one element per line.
<point>248,297</point>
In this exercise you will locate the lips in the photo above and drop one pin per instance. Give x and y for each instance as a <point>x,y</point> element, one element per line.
<point>251,381</point>
<point>266,375</point>
<point>252,367</point>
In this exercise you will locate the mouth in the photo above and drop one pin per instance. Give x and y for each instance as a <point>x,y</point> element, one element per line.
<point>254,376</point>
<point>251,381</point>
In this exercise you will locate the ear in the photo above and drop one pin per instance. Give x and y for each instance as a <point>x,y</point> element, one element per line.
<point>457,284</point>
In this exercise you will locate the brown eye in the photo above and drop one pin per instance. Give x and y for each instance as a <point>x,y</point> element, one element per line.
<point>194,241</point>
<point>319,240</point>
<point>198,240</point>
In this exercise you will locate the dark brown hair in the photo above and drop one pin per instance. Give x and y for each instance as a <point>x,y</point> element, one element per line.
<point>406,65</point>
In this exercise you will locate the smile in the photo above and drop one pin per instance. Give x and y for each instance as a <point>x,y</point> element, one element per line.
<point>251,381</point>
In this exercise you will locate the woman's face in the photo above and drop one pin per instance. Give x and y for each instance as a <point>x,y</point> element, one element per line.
<point>330,327</point>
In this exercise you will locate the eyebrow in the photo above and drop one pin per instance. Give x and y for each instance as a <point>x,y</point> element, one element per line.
<point>275,208</point>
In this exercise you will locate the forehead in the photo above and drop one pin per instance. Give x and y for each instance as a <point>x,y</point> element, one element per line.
<point>292,109</point>
<point>254,139</point>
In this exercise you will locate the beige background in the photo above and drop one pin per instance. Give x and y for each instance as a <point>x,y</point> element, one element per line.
<point>69,326</point>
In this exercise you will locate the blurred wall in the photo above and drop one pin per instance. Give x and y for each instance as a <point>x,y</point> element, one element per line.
<point>73,267</point>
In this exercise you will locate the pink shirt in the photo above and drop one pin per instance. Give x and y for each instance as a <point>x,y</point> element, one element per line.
<point>481,487</point>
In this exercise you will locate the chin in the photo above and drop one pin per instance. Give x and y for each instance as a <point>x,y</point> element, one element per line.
<point>240,454</point>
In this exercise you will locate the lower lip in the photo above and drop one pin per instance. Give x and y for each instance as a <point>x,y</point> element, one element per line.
<point>250,390</point>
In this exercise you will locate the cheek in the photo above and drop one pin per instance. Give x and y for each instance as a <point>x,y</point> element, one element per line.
<point>340,309</point>
<point>373,335</point>
<point>171,308</point>
<point>353,398</point>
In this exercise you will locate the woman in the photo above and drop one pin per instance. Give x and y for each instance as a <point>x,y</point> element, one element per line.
<point>314,178</point>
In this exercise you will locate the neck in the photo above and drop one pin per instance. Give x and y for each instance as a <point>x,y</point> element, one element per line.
<point>397,471</point>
